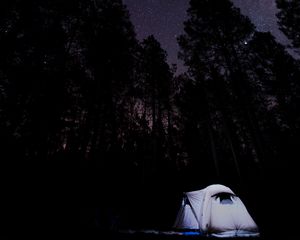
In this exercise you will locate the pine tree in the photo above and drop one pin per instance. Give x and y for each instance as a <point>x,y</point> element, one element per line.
<point>66,71</point>
<point>289,19</point>
<point>273,77</point>
<point>154,87</point>
<point>211,48</point>
<point>245,92</point>
<point>33,68</point>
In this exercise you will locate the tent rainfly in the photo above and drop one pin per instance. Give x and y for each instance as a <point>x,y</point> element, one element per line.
<point>215,211</point>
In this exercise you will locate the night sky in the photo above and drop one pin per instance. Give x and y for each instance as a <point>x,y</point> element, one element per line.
<point>164,19</point>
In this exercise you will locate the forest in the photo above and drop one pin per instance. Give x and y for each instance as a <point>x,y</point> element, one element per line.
<point>82,98</point>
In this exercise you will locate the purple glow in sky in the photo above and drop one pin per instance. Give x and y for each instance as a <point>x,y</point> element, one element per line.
<point>164,19</point>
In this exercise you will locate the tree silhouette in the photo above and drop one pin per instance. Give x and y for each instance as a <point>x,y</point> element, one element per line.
<point>215,66</point>
<point>245,102</point>
<point>77,87</point>
<point>66,71</point>
<point>275,101</point>
<point>289,22</point>
<point>156,79</point>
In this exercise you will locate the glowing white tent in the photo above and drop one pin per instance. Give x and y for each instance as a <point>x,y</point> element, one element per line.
<point>216,211</point>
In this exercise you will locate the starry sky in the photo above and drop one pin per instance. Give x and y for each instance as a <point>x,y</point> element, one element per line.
<point>164,19</point>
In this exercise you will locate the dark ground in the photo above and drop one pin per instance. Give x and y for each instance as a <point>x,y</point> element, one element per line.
<point>141,236</point>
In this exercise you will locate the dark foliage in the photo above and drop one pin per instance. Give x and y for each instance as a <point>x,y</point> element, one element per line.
<point>246,92</point>
<point>289,19</point>
<point>80,96</point>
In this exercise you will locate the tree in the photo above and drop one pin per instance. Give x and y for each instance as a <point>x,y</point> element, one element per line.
<point>289,20</point>
<point>156,78</point>
<point>32,72</point>
<point>276,91</point>
<point>215,67</point>
<point>245,101</point>
<point>77,58</point>
<point>65,74</point>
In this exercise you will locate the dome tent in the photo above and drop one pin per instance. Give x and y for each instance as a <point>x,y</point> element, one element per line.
<point>215,211</point>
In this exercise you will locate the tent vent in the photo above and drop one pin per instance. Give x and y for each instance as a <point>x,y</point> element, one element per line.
<point>225,198</point>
